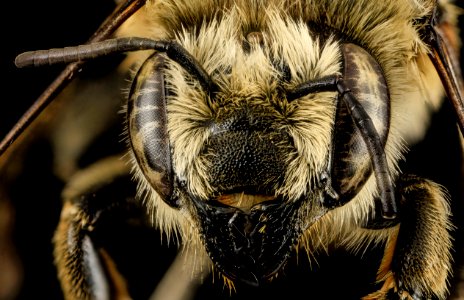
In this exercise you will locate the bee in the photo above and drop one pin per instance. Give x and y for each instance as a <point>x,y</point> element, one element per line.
<point>250,131</point>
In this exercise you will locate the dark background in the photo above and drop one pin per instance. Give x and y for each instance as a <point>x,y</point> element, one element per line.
<point>32,25</point>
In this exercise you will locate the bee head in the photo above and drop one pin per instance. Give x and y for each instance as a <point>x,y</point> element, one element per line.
<point>252,164</point>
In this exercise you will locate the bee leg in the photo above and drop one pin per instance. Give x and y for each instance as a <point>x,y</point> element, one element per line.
<point>417,259</point>
<point>92,194</point>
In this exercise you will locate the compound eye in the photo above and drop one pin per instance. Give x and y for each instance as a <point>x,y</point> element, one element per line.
<point>351,162</point>
<point>147,126</point>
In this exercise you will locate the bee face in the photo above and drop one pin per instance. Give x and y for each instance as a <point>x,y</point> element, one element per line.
<point>259,128</point>
<point>251,166</point>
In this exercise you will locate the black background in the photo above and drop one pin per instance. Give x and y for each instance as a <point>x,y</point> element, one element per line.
<point>31,25</point>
